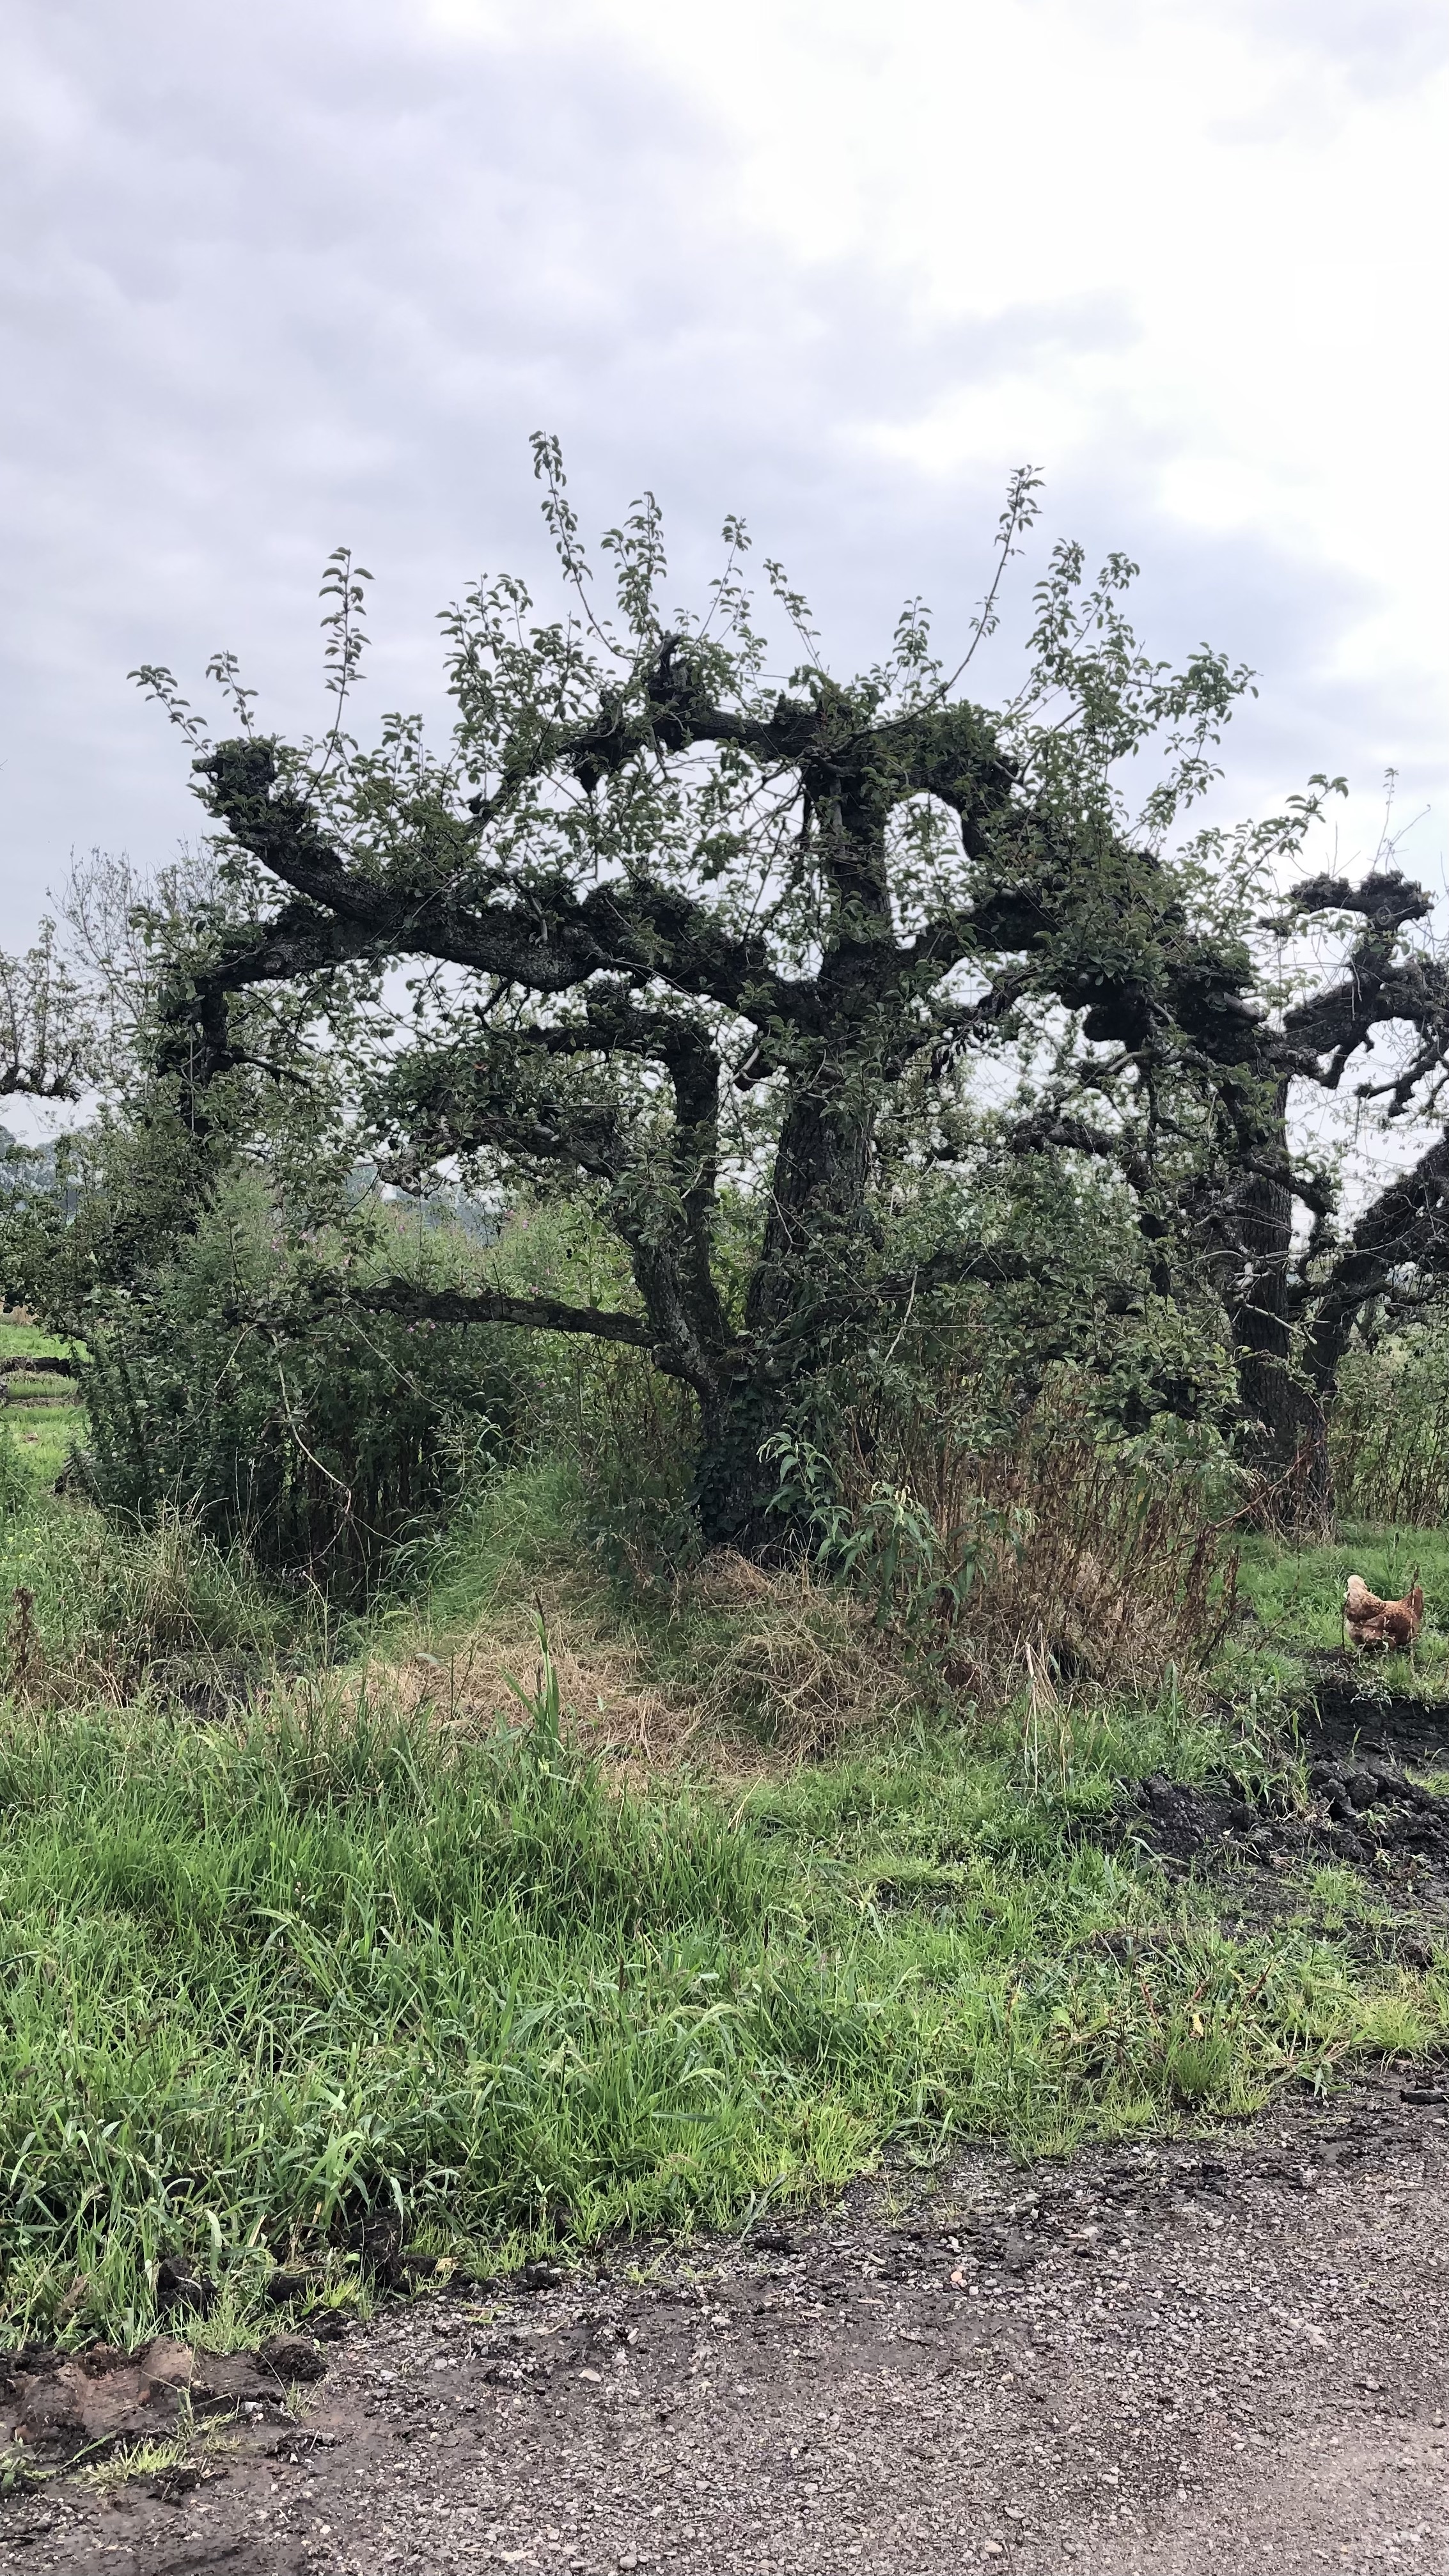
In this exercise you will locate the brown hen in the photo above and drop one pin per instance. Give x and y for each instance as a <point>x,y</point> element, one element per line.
<point>1372,1622</point>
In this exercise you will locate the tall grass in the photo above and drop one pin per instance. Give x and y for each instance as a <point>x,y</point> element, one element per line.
<point>272,1985</point>
<point>113,1608</point>
<point>1047,1548</point>
<point>14,1483</point>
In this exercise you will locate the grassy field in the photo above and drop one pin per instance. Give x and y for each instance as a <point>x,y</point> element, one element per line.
<point>45,1423</point>
<point>390,1950</point>
<point>1298,1594</point>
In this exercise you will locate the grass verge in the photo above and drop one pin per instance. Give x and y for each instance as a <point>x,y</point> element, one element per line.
<point>730,1906</point>
<point>270,1988</point>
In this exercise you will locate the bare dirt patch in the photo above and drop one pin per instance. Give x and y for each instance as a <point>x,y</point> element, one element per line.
<point>59,2408</point>
<point>1363,1810</point>
<point>1194,2359</point>
<point>1350,1713</point>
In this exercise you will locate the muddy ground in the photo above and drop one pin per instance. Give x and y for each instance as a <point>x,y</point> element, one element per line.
<point>1368,1807</point>
<point>1189,2359</point>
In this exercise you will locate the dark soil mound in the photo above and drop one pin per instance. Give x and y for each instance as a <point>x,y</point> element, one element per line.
<point>1370,1807</point>
<point>1348,1715</point>
<point>1183,1821</point>
<point>1364,1809</point>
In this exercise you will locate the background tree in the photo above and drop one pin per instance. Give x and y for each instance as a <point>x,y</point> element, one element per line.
<point>1304,1246</point>
<point>49,1042</point>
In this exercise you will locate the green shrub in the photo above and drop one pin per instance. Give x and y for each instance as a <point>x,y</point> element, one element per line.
<point>322,1439</point>
<point>1390,1430</point>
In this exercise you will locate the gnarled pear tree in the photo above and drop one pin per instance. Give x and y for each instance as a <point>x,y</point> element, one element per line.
<point>682,933</point>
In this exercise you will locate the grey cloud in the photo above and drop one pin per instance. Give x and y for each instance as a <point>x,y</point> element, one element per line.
<point>318,281</point>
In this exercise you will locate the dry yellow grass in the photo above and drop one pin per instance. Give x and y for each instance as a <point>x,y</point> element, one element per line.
<point>464,1684</point>
<point>785,1668</point>
<point>799,1661</point>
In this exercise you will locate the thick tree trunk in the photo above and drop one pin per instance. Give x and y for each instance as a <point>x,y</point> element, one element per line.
<point>807,1298</point>
<point>733,1485</point>
<point>817,1223</point>
<point>1285,1420</point>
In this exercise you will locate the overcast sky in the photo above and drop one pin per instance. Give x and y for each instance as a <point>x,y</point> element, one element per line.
<point>287,275</point>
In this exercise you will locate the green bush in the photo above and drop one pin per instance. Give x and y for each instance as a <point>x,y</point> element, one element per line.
<point>233,1390</point>
<point>1390,1431</point>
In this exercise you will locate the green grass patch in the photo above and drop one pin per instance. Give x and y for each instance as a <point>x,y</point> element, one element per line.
<point>44,1435</point>
<point>1298,1593</point>
<point>331,1966</point>
<point>39,1418</point>
<point>264,1985</point>
<point>20,1340</point>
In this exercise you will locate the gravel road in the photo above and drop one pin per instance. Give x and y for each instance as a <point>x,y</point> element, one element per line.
<point>1185,2360</point>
